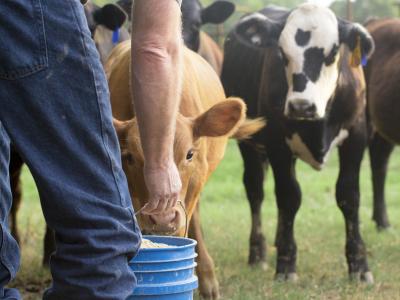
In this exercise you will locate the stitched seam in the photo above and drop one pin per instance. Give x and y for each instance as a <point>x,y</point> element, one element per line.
<point>42,63</point>
<point>98,105</point>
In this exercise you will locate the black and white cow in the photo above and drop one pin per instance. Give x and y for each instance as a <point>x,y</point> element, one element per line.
<point>106,26</point>
<point>300,69</point>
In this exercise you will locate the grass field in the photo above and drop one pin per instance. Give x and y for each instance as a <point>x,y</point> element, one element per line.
<point>226,223</point>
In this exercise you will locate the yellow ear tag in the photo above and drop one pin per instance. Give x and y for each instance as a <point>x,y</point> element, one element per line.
<point>355,59</point>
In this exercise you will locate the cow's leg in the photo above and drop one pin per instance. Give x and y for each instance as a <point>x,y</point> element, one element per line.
<point>15,169</point>
<point>208,283</point>
<point>379,153</point>
<point>348,200</point>
<point>253,179</point>
<point>49,246</point>
<point>288,197</point>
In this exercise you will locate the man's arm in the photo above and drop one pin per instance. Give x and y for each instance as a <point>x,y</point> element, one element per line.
<point>156,81</point>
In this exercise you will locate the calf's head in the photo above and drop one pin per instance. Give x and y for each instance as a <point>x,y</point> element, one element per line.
<point>309,38</point>
<point>190,154</point>
<point>104,24</point>
<point>194,16</point>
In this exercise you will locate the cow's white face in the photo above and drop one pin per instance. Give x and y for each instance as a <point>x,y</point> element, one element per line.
<point>309,43</point>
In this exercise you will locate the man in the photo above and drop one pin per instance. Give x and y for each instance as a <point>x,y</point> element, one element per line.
<point>156,82</point>
<point>55,110</point>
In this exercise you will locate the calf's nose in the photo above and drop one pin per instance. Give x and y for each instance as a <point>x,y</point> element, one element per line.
<point>165,218</point>
<point>302,109</point>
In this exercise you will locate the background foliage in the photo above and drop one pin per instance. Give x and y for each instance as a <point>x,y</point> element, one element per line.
<point>361,10</point>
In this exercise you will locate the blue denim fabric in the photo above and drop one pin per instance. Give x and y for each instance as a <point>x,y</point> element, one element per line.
<point>54,106</point>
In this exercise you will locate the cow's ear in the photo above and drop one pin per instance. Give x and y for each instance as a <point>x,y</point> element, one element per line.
<point>126,5</point>
<point>110,16</point>
<point>357,38</point>
<point>217,12</point>
<point>222,119</point>
<point>122,129</point>
<point>259,31</point>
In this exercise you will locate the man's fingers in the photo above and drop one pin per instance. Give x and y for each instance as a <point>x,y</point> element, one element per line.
<point>162,206</point>
<point>150,206</point>
<point>173,200</point>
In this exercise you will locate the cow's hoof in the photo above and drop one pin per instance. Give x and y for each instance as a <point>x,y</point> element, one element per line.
<point>382,226</point>
<point>289,277</point>
<point>258,250</point>
<point>365,277</point>
<point>382,222</point>
<point>209,289</point>
<point>292,277</point>
<point>264,266</point>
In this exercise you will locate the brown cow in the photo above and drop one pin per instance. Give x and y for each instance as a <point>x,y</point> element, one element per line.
<point>204,112</point>
<point>211,52</point>
<point>383,90</point>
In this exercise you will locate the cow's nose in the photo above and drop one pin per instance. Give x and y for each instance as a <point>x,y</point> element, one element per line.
<point>167,218</point>
<point>302,109</point>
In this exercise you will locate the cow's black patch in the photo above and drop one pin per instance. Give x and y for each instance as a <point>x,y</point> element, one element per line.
<point>330,59</point>
<point>302,37</point>
<point>299,82</point>
<point>313,60</point>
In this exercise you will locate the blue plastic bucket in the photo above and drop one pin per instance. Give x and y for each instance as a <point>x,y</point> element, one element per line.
<point>165,273</point>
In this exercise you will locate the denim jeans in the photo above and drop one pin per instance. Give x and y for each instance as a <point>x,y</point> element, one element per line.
<point>55,109</point>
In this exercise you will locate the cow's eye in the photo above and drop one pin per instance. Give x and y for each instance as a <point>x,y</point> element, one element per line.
<point>189,155</point>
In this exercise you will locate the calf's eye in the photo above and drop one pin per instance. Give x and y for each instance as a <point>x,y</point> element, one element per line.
<point>189,155</point>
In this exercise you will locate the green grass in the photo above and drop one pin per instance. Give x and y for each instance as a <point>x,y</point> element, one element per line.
<point>226,223</point>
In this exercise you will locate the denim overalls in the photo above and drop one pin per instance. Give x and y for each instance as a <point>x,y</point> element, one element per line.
<point>55,109</point>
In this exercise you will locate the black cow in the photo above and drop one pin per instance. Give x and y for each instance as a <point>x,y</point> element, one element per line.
<point>194,16</point>
<point>300,70</point>
<point>383,89</point>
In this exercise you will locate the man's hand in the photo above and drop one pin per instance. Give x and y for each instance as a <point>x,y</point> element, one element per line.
<point>164,186</point>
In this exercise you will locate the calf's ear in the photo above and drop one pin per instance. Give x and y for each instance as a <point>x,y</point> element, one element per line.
<point>357,38</point>
<point>110,16</point>
<point>222,119</point>
<point>122,129</point>
<point>257,30</point>
<point>217,12</point>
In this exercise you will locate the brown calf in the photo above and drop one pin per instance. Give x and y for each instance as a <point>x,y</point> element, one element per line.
<point>205,121</point>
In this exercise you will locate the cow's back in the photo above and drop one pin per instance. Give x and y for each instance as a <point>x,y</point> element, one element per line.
<point>383,78</point>
<point>211,52</point>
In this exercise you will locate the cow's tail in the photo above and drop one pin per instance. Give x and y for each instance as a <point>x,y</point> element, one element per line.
<point>248,128</point>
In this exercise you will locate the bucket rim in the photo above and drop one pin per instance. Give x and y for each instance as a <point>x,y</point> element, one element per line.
<point>192,243</point>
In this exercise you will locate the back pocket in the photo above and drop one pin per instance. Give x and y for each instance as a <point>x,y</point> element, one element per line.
<point>22,38</point>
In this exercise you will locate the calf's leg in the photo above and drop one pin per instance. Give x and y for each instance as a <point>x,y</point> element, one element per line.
<point>253,178</point>
<point>348,200</point>
<point>288,197</point>
<point>15,169</point>
<point>379,153</point>
<point>208,283</point>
